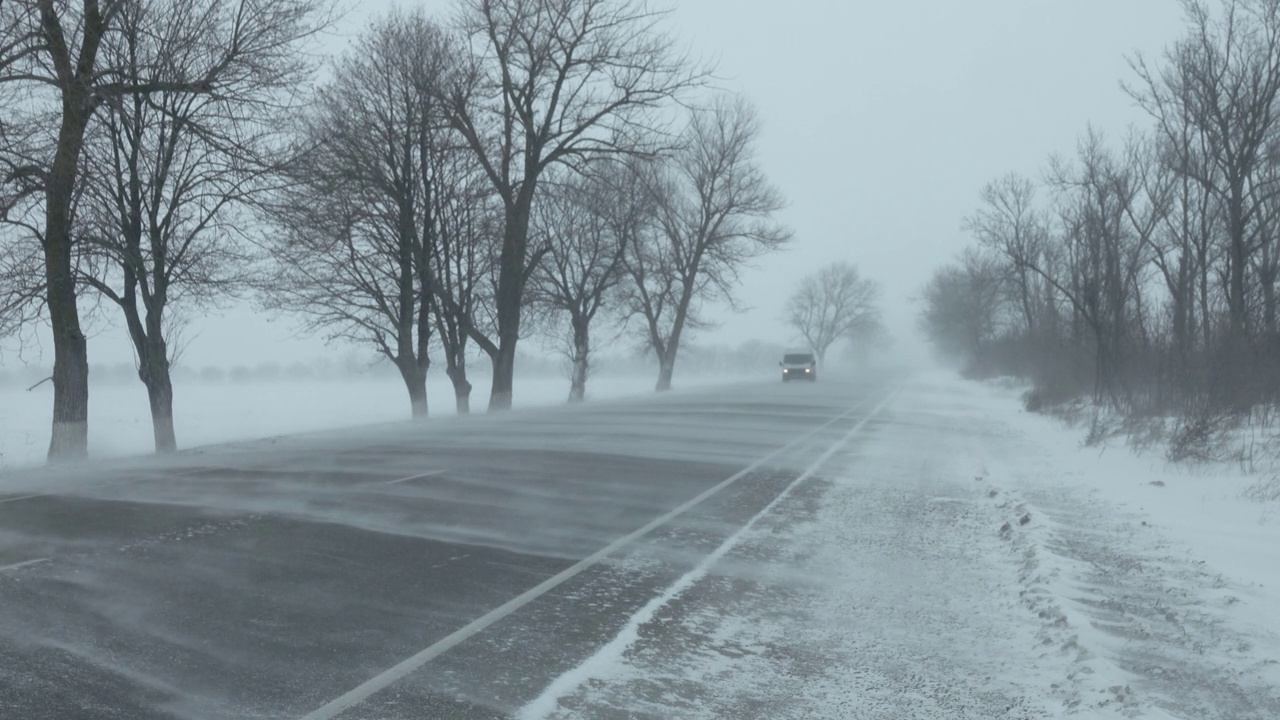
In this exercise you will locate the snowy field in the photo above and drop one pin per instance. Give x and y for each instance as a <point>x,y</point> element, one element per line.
<point>212,413</point>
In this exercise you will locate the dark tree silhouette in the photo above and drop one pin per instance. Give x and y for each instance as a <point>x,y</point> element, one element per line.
<point>61,59</point>
<point>170,175</point>
<point>554,83</point>
<point>714,211</point>
<point>585,224</point>
<point>355,252</point>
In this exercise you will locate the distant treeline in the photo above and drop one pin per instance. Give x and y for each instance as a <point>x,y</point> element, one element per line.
<point>1142,274</point>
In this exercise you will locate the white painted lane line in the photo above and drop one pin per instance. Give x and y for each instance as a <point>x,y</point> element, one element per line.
<point>547,703</point>
<point>433,473</point>
<point>23,497</point>
<point>25,563</point>
<point>380,681</point>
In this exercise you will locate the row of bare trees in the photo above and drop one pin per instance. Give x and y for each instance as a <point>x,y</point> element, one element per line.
<point>133,131</point>
<point>471,189</point>
<point>1146,273</point>
<point>559,155</point>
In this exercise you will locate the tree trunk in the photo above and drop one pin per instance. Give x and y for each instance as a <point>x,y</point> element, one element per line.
<point>1028,308</point>
<point>418,401</point>
<point>1238,260</point>
<point>504,364</point>
<point>455,357</point>
<point>1267,274</point>
<point>415,381</point>
<point>153,360</point>
<point>461,391</point>
<point>667,358</point>
<point>510,295</point>
<point>1180,296</point>
<point>666,367</point>
<point>160,392</point>
<point>581,352</point>
<point>70,433</point>
<point>1206,317</point>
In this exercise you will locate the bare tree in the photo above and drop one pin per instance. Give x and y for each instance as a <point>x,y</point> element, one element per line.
<point>1154,274</point>
<point>1102,258</point>
<point>1009,223</point>
<point>461,261</point>
<point>356,231</point>
<point>1107,211</point>
<point>834,303</point>
<point>171,173</point>
<point>56,46</point>
<point>1222,81</point>
<point>1185,247</point>
<point>59,56</point>
<point>585,223</point>
<point>714,215</point>
<point>554,82</point>
<point>963,304</point>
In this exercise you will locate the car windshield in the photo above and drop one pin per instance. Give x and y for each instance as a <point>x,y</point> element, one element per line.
<point>798,359</point>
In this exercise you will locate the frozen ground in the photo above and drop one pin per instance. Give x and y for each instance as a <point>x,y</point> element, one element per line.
<point>208,413</point>
<point>899,548</point>
<point>965,560</point>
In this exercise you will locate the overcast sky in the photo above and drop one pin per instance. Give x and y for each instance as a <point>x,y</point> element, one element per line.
<point>882,121</point>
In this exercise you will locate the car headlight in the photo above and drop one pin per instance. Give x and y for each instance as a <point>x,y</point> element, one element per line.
<point>808,369</point>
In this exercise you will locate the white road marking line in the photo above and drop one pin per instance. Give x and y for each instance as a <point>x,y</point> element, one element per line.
<point>382,680</point>
<point>23,497</point>
<point>25,563</point>
<point>433,473</point>
<point>547,703</point>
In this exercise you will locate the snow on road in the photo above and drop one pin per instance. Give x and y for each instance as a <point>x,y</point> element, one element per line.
<point>952,558</point>
<point>959,559</point>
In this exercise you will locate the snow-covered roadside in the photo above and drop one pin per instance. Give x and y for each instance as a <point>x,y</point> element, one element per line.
<point>1202,506</point>
<point>1164,572</point>
<point>966,560</point>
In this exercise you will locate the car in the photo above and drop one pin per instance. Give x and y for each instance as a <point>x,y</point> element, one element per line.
<point>799,366</point>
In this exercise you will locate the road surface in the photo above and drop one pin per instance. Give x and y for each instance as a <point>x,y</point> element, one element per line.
<point>768,551</point>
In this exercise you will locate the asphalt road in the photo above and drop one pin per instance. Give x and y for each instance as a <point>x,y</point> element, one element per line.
<point>450,569</point>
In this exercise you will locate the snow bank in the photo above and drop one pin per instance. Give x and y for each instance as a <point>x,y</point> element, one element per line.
<point>1203,507</point>
<point>1165,574</point>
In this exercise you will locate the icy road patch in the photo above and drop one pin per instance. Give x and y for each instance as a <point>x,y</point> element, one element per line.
<point>951,561</point>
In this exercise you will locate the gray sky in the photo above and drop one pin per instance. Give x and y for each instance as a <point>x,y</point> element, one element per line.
<point>882,121</point>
